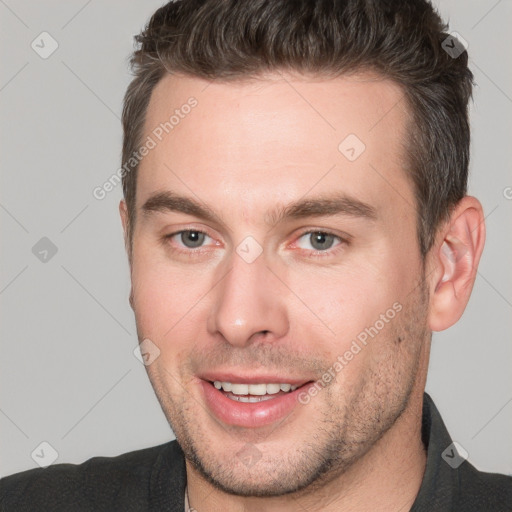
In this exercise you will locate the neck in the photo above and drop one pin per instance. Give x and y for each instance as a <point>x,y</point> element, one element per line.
<point>387,478</point>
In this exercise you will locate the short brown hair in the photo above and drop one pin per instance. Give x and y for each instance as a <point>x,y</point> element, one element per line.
<point>401,40</point>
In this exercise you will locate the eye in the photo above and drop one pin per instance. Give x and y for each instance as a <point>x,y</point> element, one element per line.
<point>320,241</point>
<point>188,238</point>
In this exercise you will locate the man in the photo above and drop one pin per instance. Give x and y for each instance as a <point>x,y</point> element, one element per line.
<point>296,221</point>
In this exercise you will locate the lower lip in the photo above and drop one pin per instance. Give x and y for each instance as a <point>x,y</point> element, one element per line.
<point>246,414</point>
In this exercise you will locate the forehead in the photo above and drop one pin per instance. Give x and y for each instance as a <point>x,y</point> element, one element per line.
<point>255,143</point>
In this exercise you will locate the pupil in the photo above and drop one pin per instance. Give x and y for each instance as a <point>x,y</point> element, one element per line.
<point>192,238</point>
<point>321,238</point>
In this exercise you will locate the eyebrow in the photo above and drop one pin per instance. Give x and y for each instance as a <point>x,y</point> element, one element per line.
<point>327,205</point>
<point>323,206</point>
<point>164,202</point>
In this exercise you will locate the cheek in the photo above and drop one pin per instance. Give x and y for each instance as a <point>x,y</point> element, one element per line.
<point>165,295</point>
<point>344,300</point>
<point>354,310</point>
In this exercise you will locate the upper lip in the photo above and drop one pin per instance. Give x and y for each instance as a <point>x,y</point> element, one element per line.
<point>246,378</point>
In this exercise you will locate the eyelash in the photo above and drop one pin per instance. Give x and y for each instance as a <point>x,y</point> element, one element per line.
<point>312,253</point>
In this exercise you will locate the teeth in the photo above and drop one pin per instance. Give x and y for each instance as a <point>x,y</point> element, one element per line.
<point>253,389</point>
<point>249,399</point>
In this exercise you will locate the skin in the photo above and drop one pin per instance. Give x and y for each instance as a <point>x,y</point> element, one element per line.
<point>247,147</point>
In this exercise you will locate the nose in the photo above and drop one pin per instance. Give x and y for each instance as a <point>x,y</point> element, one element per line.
<point>249,301</point>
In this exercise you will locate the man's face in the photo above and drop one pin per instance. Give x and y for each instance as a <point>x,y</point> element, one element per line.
<point>261,299</point>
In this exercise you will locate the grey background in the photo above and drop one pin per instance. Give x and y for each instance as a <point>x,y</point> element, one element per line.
<point>68,375</point>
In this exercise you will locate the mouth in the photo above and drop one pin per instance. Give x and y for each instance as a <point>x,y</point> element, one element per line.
<point>251,404</point>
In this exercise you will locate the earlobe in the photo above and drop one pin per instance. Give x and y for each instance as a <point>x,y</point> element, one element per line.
<point>456,256</point>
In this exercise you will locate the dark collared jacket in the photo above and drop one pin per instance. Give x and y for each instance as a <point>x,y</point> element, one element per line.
<point>154,480</point>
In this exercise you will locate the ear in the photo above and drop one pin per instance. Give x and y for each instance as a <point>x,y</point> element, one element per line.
<point>123,211</point>
<point>455,257</point>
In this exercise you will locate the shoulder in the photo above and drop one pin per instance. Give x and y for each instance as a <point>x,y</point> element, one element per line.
<point>484,491</point>
<point>460,487</point>
<point>95,484</point>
